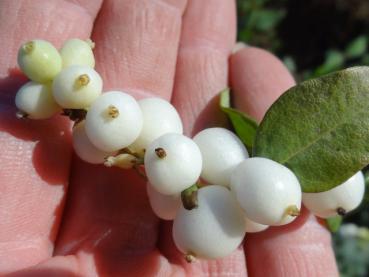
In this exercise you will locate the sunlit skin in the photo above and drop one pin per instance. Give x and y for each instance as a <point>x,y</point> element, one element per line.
<point>59,215</point>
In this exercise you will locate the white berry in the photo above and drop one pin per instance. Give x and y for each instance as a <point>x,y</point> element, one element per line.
<point>221,152</point>
<point>159,118</point>
<point>77,87</point>
<point>253,227</point>
<point>269,192</point>
<point>77,52</point>
<point>173,163</point>
<point>339,200</point>
<point>164,206</point>
<point>36,101</point>
<point>85,149</point>
<point>212,230</point>
<point>39,60</point>
<point>114,121</point>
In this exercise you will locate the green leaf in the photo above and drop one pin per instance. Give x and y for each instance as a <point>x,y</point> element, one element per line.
<point>244,126</point>
<point>320,129</point>
<point>357,47</point>
<point>334,223</point>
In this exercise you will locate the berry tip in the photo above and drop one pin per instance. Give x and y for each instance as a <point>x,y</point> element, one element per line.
<point>21,115</point>
<point>341,211</point>
<point>113,112</point>
<point>293,210</point>
<point>28,47</point>
<point>83,80</point>
<point>160,152</point>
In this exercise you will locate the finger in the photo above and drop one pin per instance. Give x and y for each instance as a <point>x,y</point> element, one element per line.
<point>302,248</point>
<point>56,267</point>
<point>35,156</point>
<point>202,67</point>
<point>137,45</point>
<point>108,216</point>
<point>54,21</point>
<point>258,79</point>
<point>208,34</point>
<point>85,265</point>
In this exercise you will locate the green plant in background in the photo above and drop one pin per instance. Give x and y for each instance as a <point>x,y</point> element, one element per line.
<point>355,51</point>
<point>258,21</point>
<point>352,250</point>
<point>340,40</point>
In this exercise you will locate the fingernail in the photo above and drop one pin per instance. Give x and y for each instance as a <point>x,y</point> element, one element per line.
<point>239,46</point>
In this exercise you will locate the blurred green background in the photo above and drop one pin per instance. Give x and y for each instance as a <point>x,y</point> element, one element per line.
<point>314,38</point>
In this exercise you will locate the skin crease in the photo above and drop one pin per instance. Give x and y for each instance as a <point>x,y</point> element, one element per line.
<point>107,227</point>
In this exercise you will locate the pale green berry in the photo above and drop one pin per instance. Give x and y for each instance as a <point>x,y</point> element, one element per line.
<point>39,60</point>
<point>85,149</point>
<point>114,121</point>
<point>77,87</point>
<point>36,101</point>
<point>77,52</point>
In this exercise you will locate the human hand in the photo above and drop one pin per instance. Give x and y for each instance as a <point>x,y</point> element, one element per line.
<point>107,227</point>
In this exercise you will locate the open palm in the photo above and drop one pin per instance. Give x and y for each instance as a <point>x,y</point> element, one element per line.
<point>62,217</point>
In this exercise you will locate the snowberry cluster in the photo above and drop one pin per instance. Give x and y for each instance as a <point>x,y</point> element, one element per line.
<point>208,185</point>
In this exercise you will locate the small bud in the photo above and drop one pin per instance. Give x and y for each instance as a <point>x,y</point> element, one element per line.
<point>125,161</point>
<point>190,258</point>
